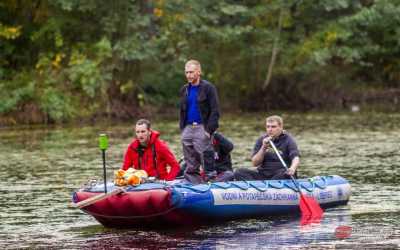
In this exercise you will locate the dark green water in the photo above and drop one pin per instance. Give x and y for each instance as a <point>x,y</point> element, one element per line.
<point>40,167</point>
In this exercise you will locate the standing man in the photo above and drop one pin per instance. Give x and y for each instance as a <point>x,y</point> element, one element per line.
<point>265,159</point>
<point>151,154</point>
<point>222,156</point>
<point>198,120</point>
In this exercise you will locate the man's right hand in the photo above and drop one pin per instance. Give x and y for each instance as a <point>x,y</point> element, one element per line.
<point>265,142</point>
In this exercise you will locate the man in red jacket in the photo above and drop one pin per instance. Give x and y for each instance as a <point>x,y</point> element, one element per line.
<point>151,154</point>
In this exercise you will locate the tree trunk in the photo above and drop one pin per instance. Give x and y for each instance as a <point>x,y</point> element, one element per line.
<point>275,50</point>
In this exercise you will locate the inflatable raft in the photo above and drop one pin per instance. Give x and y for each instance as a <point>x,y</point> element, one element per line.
<point>166,203</point>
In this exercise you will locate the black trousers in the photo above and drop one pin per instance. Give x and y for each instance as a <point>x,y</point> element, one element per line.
<point>245,174</point>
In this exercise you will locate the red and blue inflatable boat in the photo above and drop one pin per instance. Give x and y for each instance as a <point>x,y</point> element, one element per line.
<point>166,203</point>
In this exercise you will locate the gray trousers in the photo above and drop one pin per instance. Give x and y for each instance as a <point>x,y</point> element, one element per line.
<point>197,151</point>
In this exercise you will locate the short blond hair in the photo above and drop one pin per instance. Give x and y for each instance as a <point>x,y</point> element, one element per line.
<point>195,63</point>
<point>275,118</point>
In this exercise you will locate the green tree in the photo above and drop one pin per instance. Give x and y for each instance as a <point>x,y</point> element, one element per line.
<point>67,59</point>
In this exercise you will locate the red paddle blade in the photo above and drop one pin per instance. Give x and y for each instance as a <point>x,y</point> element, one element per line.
<point>311,212</point>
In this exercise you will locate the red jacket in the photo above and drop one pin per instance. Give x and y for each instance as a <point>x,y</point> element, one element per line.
<point>146,162</point>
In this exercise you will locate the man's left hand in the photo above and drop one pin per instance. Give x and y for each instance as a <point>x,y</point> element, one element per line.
<point>291,171</point>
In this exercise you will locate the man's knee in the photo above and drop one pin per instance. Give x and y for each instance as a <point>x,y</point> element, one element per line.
<point>225,176</point>
<point>193,177</point>
<point>280,175</point>
<point>240,174</point>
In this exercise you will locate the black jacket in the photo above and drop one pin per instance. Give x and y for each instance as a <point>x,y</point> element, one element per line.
<point>286,146</point>
<point>207,100</point>
<point>222,147</point>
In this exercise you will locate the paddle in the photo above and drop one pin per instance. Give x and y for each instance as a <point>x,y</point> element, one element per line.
<point>96,198</point>
<point>103,145</point>
<point>309,207</point>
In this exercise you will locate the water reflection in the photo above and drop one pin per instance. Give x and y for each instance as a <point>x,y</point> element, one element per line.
<point>338,228</point>
<point>279,233</point>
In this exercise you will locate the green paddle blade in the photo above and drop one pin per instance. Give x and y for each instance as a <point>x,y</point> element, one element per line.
<point>103,141</point>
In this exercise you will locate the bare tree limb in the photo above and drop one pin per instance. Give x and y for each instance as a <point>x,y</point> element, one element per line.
<point>275,50</point>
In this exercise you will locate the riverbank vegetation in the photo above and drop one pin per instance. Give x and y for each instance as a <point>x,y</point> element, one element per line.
<point>66,60</point>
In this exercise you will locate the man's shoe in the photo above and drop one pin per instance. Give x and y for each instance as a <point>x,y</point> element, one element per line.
<point>210,177</point>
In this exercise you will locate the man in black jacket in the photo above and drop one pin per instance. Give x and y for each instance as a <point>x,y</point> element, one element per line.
<point>222,155</point>
<point>199,115</point>
<point>269,166</point>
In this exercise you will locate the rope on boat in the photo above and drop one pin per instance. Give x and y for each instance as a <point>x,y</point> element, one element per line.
<point>322,186</point>
<point>237,185</point>
<point>261,186</point>
<point>277,184</point>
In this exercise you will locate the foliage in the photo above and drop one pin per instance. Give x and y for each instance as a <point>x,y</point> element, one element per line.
<point>74,59</point>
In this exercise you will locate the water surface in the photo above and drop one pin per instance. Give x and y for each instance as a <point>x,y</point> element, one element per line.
<point>42,166</point>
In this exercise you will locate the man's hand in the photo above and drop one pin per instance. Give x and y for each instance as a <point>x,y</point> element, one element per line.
<point>291,171</point>
<point>208,134</point>
<point>265,143</point>
<point>295,163</point>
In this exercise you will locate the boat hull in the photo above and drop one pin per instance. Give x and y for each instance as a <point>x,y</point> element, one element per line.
<point>162,204</point>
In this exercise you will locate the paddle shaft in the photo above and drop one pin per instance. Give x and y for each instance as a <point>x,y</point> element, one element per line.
<point>103,145</point>
<point>104,170</point>
<point>284,165</point>
<point>96,198</point>
<point>311,205</point>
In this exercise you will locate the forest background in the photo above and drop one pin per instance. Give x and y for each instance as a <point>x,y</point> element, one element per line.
<point>75,60</point>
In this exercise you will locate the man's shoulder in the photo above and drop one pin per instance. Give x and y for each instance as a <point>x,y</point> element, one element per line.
<point>161,144</point>
<point>286,136</point>
<point>206,84</point>
<point>185,86</point>
<point>134,144</point>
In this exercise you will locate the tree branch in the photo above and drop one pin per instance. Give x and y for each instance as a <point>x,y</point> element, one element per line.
<point>275,50</point>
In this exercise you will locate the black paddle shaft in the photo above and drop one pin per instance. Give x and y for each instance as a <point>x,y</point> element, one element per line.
<point>104,170</point>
